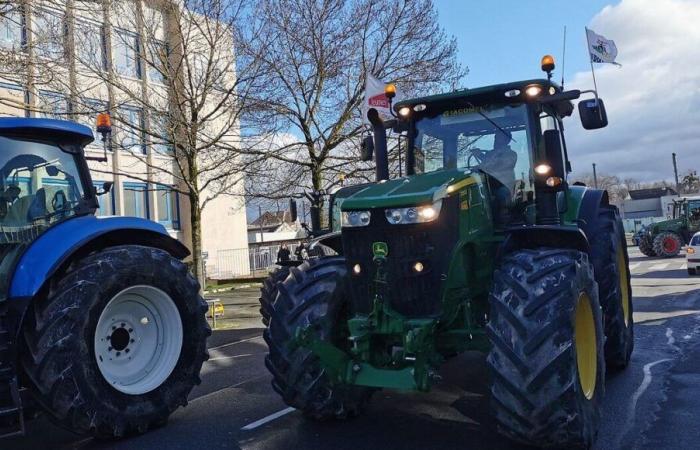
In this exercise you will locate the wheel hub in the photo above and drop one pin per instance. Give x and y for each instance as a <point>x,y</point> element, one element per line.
<point>586,346</point>
<point>670,245</point>
<point>138,339</point>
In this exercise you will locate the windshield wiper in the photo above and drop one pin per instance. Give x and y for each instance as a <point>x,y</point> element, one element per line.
<point>509,135</point>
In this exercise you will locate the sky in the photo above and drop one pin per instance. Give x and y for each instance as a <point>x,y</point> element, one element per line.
<point>653,100</point>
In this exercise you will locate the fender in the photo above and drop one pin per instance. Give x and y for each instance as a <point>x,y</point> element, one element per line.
<point>79,236</point>
<point>589,202</point>
<point>332,240</point>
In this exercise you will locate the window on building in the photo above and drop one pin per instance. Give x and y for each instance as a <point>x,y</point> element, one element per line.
<point>49,34</point>
<point>90,46</point>
<point>11,29</point>
<point>131,127</point>
<point>125,54</point>
<point>160,141</point>
<point>106,201</point>
<point>168,207</point>
<point>16,99</point>
<point>157,61</point>
<point>136,200</point>
<point>52,105</point>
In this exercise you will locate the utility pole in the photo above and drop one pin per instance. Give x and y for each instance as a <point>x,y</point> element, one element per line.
<point>595,178</point>
<point>260,218</point>
<point>675,173</point>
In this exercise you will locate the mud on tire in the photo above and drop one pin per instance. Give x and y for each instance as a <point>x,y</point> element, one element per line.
<point>58,358</point>
<point>313,294</point>
<point>537,397</point>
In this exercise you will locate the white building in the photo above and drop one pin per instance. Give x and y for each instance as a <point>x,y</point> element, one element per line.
<point>54,57</point>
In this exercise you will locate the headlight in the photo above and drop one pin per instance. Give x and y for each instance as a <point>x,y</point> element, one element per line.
<point>355,218</point>
<point>414,214</point>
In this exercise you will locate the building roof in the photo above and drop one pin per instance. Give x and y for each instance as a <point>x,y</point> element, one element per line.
<point>270,219</point>
<point>642,194</point>
<point>46,127</point>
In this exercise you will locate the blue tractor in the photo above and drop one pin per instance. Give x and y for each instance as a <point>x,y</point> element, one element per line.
<point>102,326</point>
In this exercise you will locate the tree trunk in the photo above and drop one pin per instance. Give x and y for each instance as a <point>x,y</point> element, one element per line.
<point>196,226</point>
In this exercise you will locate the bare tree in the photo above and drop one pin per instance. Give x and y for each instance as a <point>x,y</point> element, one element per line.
<point>316,57</point>
<point>175,88</point>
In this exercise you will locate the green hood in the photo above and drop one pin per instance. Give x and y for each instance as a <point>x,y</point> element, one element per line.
<point>407,191</point>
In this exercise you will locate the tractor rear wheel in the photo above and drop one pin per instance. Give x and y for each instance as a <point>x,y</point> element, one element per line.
<point>667,244</point>
<point>117,344</point>
<point>547,348</point>
<point>313,295</point>
<point>646,246</point>
<point>268,291</point>
<point>611,269</point>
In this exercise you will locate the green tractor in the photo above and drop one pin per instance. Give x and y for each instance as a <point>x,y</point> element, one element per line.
<point>666,238</point>
<point>482,246</point>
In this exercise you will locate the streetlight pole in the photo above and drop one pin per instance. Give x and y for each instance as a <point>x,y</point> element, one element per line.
<point>675,172</point>
<point>595,178</point>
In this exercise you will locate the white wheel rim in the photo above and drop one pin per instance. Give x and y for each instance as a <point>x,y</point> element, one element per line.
<point>138,339</point>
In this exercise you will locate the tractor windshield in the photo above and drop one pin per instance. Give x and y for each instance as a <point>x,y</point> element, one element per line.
<point>493,139</point>
<point>39,184</point>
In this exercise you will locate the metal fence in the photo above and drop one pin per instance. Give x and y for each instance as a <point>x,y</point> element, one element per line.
<point>243,262</point>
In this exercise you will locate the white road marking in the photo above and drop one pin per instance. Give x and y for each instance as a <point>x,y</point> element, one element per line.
<point>232,357</point>
<point>270,418</point>
<point>634,266</point>
<point>640,390</point>
<point>236,342</point>
<point>656,267</point>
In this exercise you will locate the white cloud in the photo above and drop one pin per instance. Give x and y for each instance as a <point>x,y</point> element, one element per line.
<point>653,101</point>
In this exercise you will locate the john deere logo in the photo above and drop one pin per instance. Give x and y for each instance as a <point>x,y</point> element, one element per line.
<point>380,249</point>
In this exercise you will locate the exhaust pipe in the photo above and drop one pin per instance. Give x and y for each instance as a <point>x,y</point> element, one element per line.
<point>381,157</point>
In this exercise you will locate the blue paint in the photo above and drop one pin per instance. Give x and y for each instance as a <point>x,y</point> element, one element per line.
<point>59,241</point>
<point>46,127</point>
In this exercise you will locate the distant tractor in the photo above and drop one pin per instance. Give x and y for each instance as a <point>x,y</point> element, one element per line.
<point>666,238</point>
<point>101,324</point>
<point>482,246</point>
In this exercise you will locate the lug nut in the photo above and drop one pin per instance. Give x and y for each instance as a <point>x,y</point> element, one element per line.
<point>119,353</point>
<point>126,350</point>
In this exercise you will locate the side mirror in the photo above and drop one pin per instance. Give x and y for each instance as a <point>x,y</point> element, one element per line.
<point>106,187</point>
<point>367,148</point>
<point>293,209</point>
<point>592,113</point>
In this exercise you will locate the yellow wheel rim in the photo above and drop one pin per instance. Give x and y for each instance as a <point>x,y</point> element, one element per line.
<point>586,346</point>
<point>624,287</point>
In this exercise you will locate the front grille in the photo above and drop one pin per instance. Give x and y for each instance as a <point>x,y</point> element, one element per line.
<point>409,293</point>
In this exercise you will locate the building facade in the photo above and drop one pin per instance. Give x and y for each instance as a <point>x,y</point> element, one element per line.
<point>71,60</point>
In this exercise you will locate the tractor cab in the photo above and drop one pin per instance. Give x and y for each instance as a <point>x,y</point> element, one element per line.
<point>44,179</point>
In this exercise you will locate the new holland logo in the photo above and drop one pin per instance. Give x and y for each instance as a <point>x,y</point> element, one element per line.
<point>380,249</point>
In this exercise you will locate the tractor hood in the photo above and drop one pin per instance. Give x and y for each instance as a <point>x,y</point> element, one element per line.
<point>409,191</point>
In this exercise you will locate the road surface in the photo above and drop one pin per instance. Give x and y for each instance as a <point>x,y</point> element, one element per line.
<point>653,404</point>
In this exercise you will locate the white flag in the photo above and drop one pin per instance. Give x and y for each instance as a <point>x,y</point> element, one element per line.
<point>375,98</point>
<point>602,50</point>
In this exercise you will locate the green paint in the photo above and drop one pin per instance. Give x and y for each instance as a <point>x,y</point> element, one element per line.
<point>380,249</point>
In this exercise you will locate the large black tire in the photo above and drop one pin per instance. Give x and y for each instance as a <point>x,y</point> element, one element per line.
<point>537,395</point>
<point>611,268</point>
<point>667,244</point>
<point>313,294</point>
<point>646,246</point>
<point>268,291</point>
<point>58,358</point>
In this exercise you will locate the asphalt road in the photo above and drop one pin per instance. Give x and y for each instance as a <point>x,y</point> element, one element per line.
<point>654,403</point>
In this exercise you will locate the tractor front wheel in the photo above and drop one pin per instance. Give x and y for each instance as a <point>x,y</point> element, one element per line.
<point>547,348</point>
<point>312,296</point>
<point>117,344</point>
<point>667,244</point>
<point>646,246</point>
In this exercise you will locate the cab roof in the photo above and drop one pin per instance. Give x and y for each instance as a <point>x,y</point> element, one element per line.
<point>497,91</point>
<point>63,130</point>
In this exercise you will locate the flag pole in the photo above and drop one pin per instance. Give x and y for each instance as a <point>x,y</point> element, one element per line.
<point>590,59</point>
